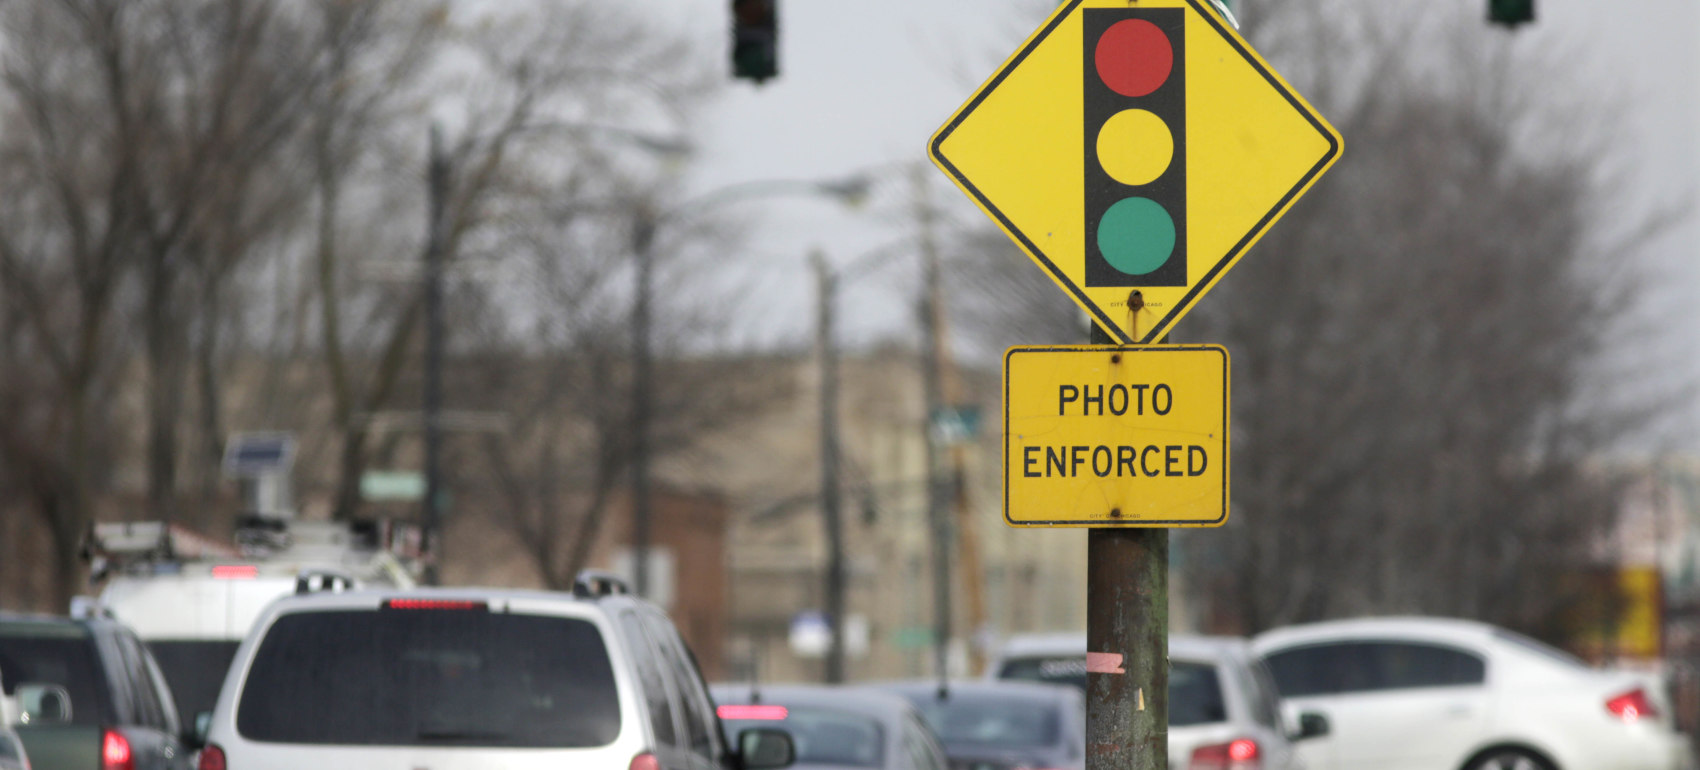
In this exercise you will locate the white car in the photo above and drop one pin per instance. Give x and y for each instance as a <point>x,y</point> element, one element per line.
<point>1439,694</point>
<point>1223,712</point>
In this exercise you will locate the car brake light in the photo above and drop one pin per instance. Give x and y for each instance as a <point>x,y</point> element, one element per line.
<point>235,571</point>
<point>1632,705</point>
<point>212,758</point>
<point>115,752</point>
<point>434,604</point>
<point>645,762</point>
<point>765,713</point>
<point>1242,754</point>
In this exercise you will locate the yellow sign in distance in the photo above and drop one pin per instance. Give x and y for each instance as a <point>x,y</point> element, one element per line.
<point>1135,150</point>
<point>1103,436</point>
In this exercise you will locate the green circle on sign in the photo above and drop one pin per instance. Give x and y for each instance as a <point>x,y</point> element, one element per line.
<point>1136,236</point>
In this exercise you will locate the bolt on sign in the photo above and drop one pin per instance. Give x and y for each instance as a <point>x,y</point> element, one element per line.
<point>1135,149</point>
<point>1101,436</point>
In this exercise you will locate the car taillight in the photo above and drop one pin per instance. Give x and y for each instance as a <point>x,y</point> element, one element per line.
<point>434,604</point>
<point>645,762</point>
<point>1632,705</point>
<point>1242,754</point>
<point>115,752</point>
<point>212,758</point>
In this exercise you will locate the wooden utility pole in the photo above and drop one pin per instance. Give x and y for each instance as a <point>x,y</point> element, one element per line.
<point>946,487</point>
<point>1127,644</point>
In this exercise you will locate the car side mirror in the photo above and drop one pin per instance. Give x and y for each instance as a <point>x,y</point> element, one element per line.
<point>43,704</point>
<point>1312,725</point>
<point>197,738</point>
<point>762,748</point>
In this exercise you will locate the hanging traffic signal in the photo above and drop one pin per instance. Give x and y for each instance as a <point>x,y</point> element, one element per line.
<point>1511,12</point>
<point>1135,89</point>
<point>755,39</point>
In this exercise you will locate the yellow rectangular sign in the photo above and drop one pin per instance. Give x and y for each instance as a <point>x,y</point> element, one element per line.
<point>1104,436</point>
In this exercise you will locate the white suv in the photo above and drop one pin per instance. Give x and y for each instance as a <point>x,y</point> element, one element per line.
<point>453,679</point>
<point>1440,694</point>
<point>1222,707</point>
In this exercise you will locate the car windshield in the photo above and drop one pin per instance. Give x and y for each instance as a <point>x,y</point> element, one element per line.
<point>1054,669</point>
<point>822,736</point>
<point>194,669</point>
<point>65,658</point>
<point>448,677</point>
<point>1195,695</point>
<point>987,719</point>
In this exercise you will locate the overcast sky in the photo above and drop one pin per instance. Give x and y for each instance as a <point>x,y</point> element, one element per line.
<point>864,84</point>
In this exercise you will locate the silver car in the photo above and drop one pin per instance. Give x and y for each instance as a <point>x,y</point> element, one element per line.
<point>459,679</point>
<point>1223,710</point>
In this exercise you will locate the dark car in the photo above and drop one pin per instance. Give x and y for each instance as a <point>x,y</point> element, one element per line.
<point>1002,725</point>
<point>833,726</point>
<point>91,696</point>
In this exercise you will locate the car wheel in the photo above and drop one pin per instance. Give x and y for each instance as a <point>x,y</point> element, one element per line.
<point>1507,759</point>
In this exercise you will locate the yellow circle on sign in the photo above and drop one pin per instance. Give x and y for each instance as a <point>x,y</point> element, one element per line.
<point>1135,147</point>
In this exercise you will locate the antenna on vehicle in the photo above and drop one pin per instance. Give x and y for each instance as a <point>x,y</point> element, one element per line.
<point>755,672</point>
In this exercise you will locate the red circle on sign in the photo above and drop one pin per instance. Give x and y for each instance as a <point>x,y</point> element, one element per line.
<point>1134,57</point>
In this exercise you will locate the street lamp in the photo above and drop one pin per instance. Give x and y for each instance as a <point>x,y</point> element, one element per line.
<point>851,190</point>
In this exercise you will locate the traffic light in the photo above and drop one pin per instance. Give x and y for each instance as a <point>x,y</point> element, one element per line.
<point>1511,12</point>
<point>1135,82</point>
<point>755,39</point>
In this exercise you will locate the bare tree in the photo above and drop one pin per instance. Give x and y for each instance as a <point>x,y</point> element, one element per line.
<point>159,150</point>
<point>566,386</point>
<point>73,212</point>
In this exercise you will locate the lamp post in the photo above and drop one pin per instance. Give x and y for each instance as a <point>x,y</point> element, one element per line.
<point>849,190</point>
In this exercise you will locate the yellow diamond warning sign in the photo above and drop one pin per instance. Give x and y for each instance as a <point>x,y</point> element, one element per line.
<point>1135,151</point>
<point>1100,436</point>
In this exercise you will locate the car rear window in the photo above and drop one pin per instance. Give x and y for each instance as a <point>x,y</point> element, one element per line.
<point>65,657</point>
<point>991,720</point>
<point>822,736</point>
<point>1351,667</point>
<point>1195,695</point>
<point>1058,669</point>
<point>195,669</point>
<point>430,677</point>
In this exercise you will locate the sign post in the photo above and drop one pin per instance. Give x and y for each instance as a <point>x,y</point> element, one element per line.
<point>1135,149</point>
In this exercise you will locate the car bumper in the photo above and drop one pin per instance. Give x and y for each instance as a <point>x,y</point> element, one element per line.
<point>1661,751</point>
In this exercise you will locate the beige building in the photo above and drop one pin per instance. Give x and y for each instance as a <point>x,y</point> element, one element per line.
<point>769,468</point>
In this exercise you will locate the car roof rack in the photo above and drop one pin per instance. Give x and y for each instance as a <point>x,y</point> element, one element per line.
<point>592,583</point>
<point>314,581</point>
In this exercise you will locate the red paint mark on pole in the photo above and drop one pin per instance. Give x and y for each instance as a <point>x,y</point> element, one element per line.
<point>1104,663</point>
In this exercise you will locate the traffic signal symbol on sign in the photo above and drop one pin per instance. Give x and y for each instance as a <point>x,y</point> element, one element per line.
<point>1135,166</point>
<point>1170,129</point>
